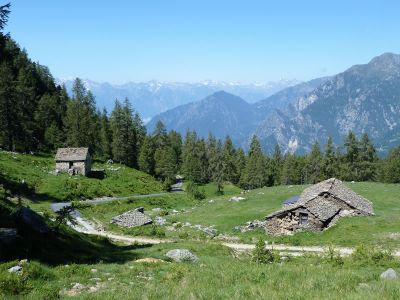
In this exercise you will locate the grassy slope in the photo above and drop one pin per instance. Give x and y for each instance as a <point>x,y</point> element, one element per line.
<point>43,186</point>
<point>217,275</point>
<point>381,229</point>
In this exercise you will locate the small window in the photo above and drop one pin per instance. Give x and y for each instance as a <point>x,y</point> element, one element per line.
<point>303,219</point>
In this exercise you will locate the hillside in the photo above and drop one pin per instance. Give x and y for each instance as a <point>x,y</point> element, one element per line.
<point>364,98</point>
<point>34,177</point>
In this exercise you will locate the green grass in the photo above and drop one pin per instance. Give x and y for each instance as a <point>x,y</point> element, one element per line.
<point>30,176</point>
<point>217,275</point>
<point>381,229</point>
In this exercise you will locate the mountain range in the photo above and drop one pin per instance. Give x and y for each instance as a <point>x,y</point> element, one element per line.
<point>154,97</point>
<point>225,114</point>
<point>363,98</point>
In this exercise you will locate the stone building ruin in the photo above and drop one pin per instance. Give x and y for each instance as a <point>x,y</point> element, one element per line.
<point>318,207</point>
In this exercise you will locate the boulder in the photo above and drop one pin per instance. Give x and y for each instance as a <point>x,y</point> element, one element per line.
<point>160,221</point>
<point>390,274</point>
<point>15,269</point>
<point>8,235</point>
<point>236,199</point>
<point>181,255</point>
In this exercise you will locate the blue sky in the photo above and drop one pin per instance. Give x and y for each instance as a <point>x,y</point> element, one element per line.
<point>119,41</point>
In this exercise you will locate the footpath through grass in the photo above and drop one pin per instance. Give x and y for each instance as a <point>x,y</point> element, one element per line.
<point>217,275</point>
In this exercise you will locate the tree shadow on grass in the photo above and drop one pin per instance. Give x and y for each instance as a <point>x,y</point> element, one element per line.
<point>67,247</point>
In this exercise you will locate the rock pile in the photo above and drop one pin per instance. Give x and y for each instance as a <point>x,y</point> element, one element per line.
<point>132,218</point>
<point>251,225</point>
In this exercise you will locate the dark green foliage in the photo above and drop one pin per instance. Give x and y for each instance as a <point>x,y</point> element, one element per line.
<point>193,191</point>
<point>264,256</point>
<point>4,12</point>
<point>255,173</point>
<point>391,167</point>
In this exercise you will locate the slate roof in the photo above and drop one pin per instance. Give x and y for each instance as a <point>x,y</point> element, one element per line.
<point>72,154</point>
<point>322,208</point>
<point>131,218</point>
<point>291,200</point>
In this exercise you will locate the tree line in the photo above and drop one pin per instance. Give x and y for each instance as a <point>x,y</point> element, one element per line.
<point>38,115</point>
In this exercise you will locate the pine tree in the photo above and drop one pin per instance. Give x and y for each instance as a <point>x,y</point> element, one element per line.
<point>105,137</point>
<point>4,12</point>
<point>146,156</point>
<point>391,166</point>
<point>8,110</point>
<point>330,162</point>
<point>219,172</point>
<point>191,167</point>
<point>81,118</point>
<point>229,161</point>
<point>351,157</point>
<point>254,175</point>
<point>240,163</point>
<point>314,164</point>
<point>276,165</point>
<point>368,159</point>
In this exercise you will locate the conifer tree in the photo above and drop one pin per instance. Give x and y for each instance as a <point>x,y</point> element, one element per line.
<point>314,164</point>
<point>229,161</point>
<point>146,156</point>
<point>190,161</point>
<point>276,165</point>
<point>254,175</point>
<point>330,162</point>
<point>105,136</point>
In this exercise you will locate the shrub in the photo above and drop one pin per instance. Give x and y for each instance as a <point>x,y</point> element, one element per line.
<point>333,256</point>
<point>14,284</point>
<point>193,191</point>
<point>262,255</point>
<point>365,256</point>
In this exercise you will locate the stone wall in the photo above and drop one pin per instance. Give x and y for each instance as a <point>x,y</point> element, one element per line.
<point>62,166</point>
<point>288,223</point>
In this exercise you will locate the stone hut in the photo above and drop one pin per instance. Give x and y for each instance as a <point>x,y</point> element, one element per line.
<point>73,160</point>
<point>317,208</point>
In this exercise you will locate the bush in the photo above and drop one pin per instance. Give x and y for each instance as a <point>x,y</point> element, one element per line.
<point>365,256</point>
<point>14,284</point>
<point>333,256</point>
<point>194,192</point>
<point>264,256</point>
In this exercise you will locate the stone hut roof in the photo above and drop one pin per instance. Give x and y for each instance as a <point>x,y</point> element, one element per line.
<point>72,154</point>
<point>132,218</point>
<point>323,208</point>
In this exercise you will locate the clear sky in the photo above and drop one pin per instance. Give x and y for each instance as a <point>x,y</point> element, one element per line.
<point>188,40</point>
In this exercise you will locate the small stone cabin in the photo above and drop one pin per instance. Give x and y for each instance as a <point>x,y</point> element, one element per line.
<point>317,208</point>
<point>73,160</point>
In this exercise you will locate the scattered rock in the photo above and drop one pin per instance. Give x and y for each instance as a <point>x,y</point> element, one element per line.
<point>211,201</point>
<point>132,218</point>
<point>160,221</point>
<point>93,270</point>
<point>236,199</point>
<point>157,209</point>
<point>181,255</point>
<point>95,279</point>
<point>150,260</point>
<point>251,225</point>
<point>15,269</point>
<point>174,211</point>
<point>177,224</point>
<point>227,238</point>
<point>390,274</point>
<point>78,286</point>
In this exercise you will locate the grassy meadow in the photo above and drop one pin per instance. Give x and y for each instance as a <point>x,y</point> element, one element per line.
<point>108,270</point>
